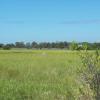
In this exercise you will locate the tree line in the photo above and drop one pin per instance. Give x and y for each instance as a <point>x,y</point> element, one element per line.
<point>52,45</point>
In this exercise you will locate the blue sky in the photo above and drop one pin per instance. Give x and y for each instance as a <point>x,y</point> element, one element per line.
<point>49,20</point>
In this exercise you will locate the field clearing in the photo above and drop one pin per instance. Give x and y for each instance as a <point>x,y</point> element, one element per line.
<point>39,75</point>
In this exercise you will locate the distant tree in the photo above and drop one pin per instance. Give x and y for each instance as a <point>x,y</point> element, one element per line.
<point>66,44</point>
<point>11,45</point>
<point>49,45</point>
<point>1,45</point>
<point>44,45</point>
<point>20,45</point>
<point>74,46</point>
<point>7,47</point>
<point>85,45</point>
<point>28,45</point>
<point>41,45</point>
<point>61,45</point>
<point>96,45</point>
<point>57,45</point>
<point>34,44</point>
<point>53,45</point>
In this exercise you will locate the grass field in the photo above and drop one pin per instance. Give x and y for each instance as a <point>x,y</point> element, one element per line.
<point>39,75</point>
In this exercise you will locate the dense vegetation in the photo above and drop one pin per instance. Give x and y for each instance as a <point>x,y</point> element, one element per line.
<point>51,45</point>
<point>49,75</point>
<point>90,73</point>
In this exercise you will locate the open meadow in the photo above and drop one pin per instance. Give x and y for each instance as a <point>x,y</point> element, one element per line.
<point>39,75</point>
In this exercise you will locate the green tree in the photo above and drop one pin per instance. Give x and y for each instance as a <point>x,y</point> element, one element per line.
<point>20,45</point>
<point>28,45</point>
<point>85,46</point>
<point>7,47</point>
<point>34,44</point>
<point>1,45</point>
<point>74,46</point>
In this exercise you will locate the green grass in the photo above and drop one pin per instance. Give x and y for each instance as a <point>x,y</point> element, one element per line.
<point>39,75</point>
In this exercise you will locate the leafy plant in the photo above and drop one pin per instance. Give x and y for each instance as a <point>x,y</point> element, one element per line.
<point>90,71</point>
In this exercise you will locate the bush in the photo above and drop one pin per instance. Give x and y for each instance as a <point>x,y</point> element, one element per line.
<point>6,47</point>
<point>90,72</point>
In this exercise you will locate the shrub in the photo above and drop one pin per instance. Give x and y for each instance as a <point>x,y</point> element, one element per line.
<point>6,47</point>
<point>90,72</point>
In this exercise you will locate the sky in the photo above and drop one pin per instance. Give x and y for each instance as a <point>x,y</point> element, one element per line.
<point>49,20</point>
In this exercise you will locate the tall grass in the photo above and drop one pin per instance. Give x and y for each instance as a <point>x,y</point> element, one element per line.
<point>40,75</point>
